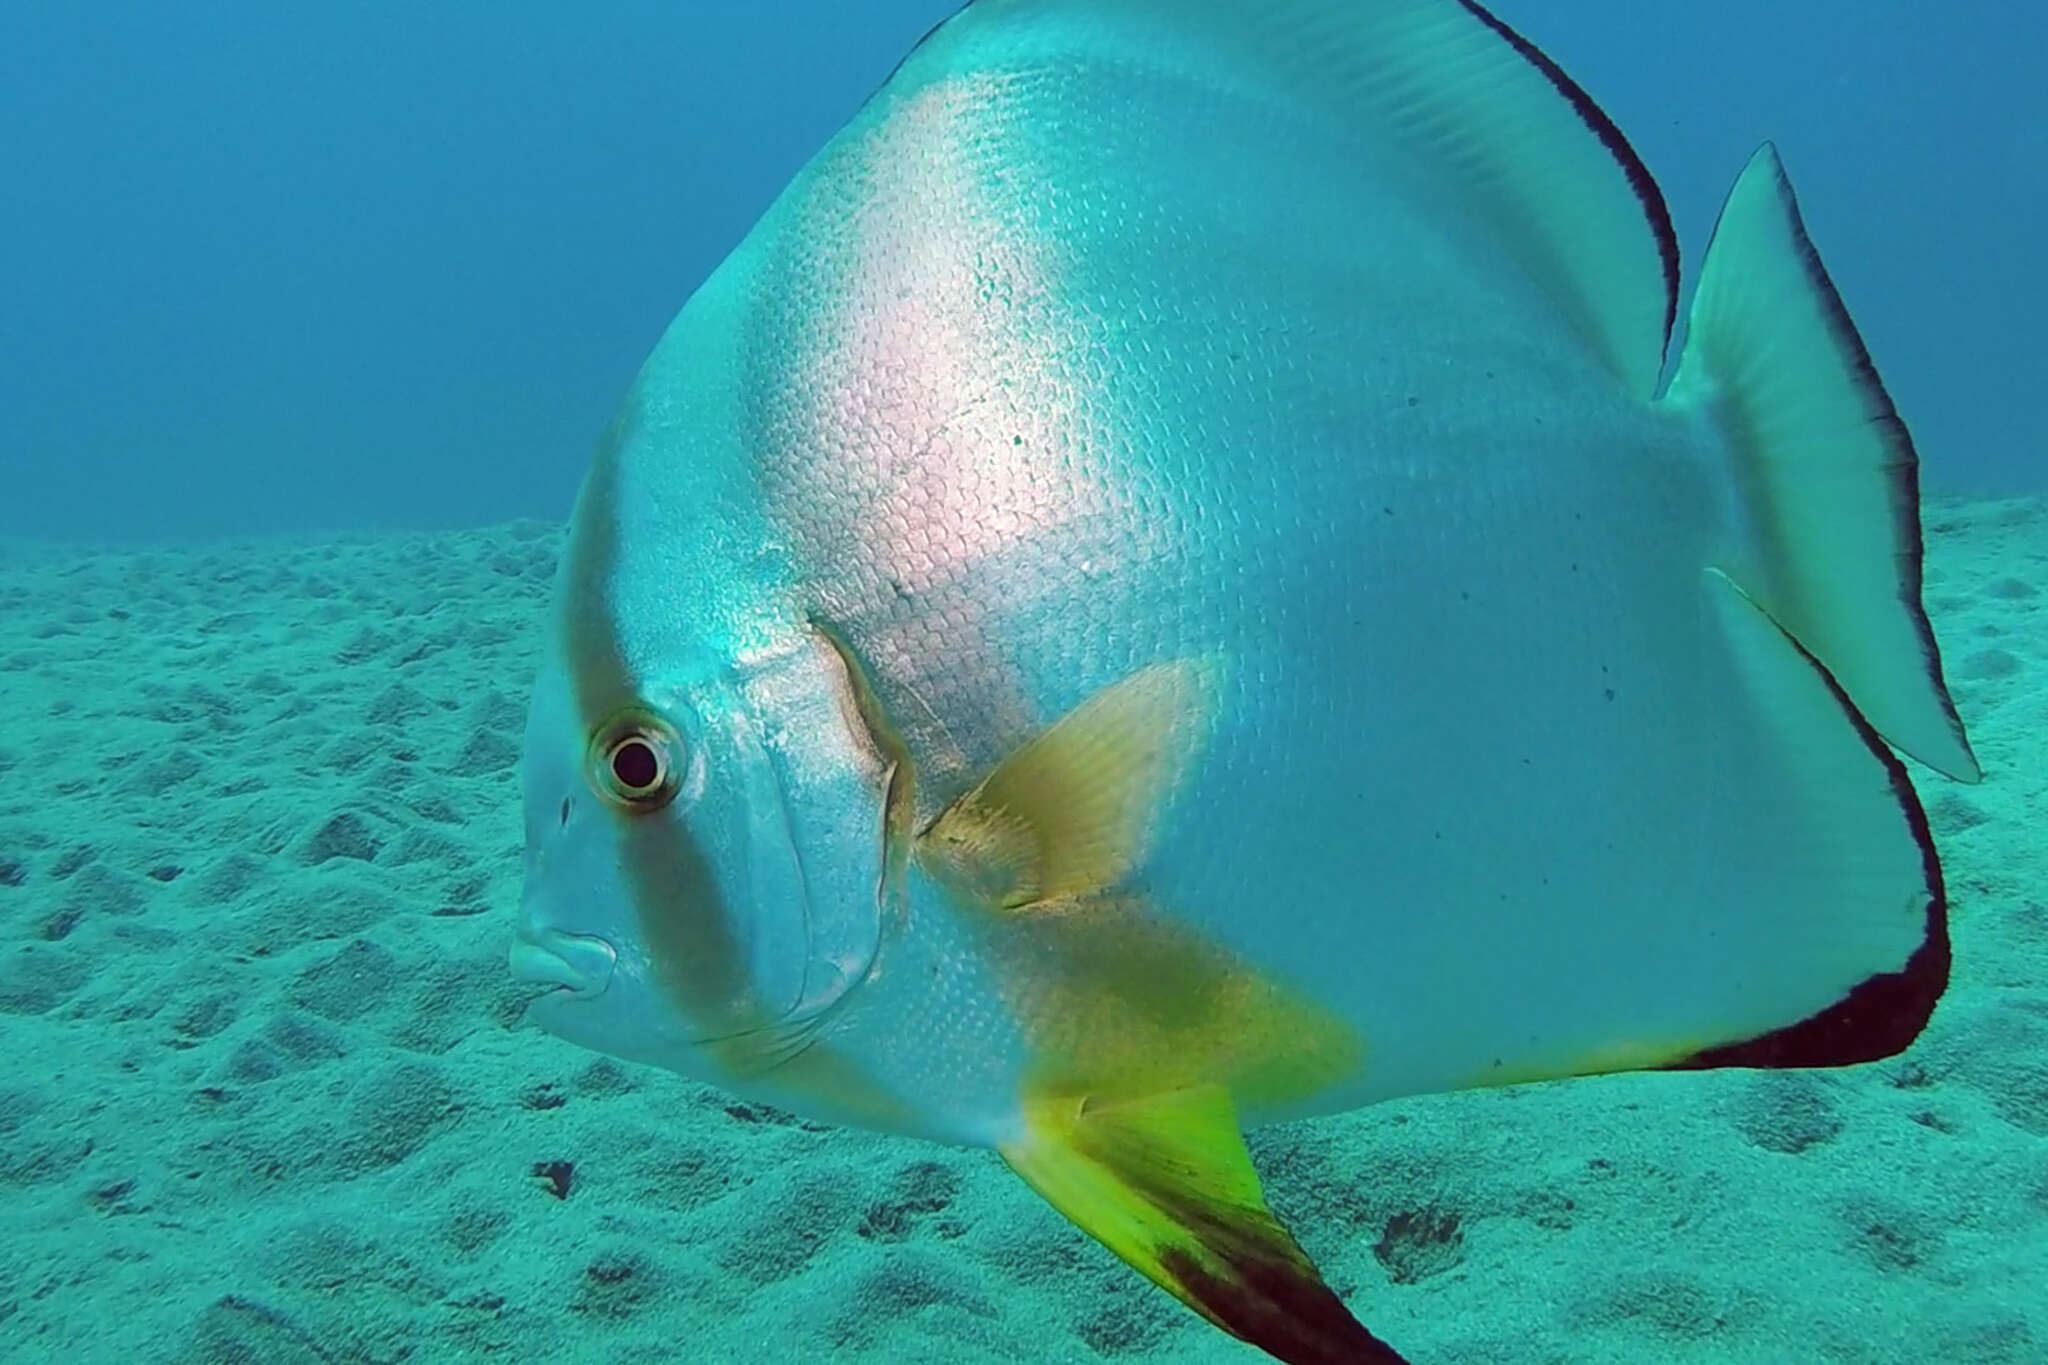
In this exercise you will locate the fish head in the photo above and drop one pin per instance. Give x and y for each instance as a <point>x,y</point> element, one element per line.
<point>664,904</point>
<point>701,861</point>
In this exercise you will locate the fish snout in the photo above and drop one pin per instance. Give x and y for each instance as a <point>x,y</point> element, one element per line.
<point>578,966</point>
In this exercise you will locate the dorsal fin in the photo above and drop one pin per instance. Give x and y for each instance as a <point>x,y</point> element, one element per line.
<point>1467,110</point>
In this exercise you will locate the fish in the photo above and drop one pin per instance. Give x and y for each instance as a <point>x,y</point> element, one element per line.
<point>1176,580</point>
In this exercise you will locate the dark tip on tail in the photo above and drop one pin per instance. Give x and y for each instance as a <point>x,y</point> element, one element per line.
<point>1283,1308</point>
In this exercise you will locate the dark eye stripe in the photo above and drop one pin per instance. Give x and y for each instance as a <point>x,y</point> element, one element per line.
<point>685,923</point>
<point>674,892</point>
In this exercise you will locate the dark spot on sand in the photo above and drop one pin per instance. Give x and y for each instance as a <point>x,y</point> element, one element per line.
<point>556,1176</point>
<point>1418,1244</point>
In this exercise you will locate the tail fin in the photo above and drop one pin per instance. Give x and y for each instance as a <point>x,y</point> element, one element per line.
<point>1829,481</point>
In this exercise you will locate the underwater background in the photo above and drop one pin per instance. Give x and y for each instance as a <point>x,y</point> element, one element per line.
<point>311,317</point>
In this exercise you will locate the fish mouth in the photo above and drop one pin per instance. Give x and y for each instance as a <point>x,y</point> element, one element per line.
<point>574,966</point>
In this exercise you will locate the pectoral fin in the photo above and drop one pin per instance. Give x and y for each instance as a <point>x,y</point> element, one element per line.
<point>1164,1182</point>
<point>1069,813</point>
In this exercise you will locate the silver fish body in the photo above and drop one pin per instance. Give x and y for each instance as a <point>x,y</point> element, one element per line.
<point>1114,335</point>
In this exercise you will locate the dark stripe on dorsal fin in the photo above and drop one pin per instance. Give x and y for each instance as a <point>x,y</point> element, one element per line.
<point>1647,191</point>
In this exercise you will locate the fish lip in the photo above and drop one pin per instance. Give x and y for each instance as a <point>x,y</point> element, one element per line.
<point>577,966</point>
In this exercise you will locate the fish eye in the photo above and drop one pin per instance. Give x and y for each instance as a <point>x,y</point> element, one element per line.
<point>635,761</point>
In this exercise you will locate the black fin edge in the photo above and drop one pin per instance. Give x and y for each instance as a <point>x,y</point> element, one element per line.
<point>1291,1317</point>
<point>1647,191</point>
<point>1905,461</point>
<point>1272,1294</point>
<point>1882,1014</point>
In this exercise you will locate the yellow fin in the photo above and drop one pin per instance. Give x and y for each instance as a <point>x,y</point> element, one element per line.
<point>1115,999</point>
<point>1070,812</point>
<point>1164,1182</point>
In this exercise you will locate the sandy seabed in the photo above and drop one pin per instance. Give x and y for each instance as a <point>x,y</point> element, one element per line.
<point>267,1098</point>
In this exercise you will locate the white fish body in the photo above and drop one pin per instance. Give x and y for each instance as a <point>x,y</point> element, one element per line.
<point>1159,583</point>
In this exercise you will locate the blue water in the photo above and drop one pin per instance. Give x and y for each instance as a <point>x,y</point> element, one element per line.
<point>323,267</point>
<point>309,318</point>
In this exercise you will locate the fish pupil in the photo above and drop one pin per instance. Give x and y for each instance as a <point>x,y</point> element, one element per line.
<point>635,765</point>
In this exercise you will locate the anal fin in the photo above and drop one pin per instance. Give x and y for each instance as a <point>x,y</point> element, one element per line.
<point>1164,1182</point>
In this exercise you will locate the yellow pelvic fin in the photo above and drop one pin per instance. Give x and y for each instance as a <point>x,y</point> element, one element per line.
<point>1070,812</point>
<point>1117,1000</point>
<point>1165,1183</point>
